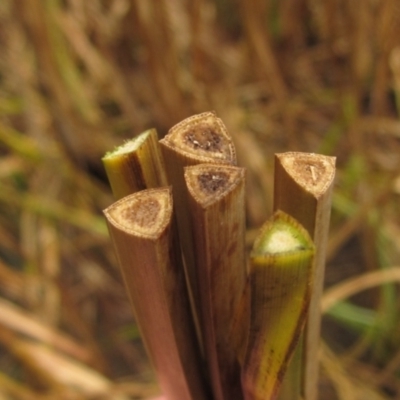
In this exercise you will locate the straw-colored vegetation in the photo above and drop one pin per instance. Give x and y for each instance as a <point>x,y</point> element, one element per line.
<point>79,77</point>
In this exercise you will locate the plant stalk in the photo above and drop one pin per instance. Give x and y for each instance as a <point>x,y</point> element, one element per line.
<point>144,238</point>
<point>280,284</point>
<point>217,208</point>
<point>303,189</point>
<point>202,138</point>
<point>135,165</point>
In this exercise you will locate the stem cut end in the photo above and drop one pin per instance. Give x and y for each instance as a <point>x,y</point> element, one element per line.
<point>281,234</point>
<point>202,137</point>
<point>207,183</point>
<point>129,146</point>
<point>145,214</point>
<point>313,172</point>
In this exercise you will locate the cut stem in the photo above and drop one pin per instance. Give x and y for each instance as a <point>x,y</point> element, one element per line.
<point>303,189</point>
<point>144,237</point>
<point>217,209</point>
<point>201,138</point>
<point>135,165</point>
<point>280,283</point>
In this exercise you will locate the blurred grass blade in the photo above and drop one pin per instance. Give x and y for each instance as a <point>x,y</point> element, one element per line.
<point>135,165</point>
<point>15,389</point>
<point>69,373</point>
<point>216,204</point>
<point>21,321</point>
<point>19,143</point>
<point>354,317</point>
<point>347,386</point>
<point>355,285</point>
<point>144,238</point>
<point>280,279</point>
<point>42,205</point>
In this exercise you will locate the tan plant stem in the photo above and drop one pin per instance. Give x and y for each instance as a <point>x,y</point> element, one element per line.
<point>303,189</point>
<point>280,284</point>
<point>217,210</point>
<point>135,165</point>
<point>201,138</point>
<point>144,237</point>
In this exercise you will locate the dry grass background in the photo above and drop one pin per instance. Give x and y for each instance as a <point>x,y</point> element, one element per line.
<point>79,77</point>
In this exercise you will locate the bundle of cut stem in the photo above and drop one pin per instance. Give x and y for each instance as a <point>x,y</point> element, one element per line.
<point>280,283</point>
<point>144,237</point>
<point>303,189</point>
<point>135,165</point>
<point>202,138</point>
<point>217,209</point>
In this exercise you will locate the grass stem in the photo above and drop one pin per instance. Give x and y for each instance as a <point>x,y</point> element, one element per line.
<point>144,237</point>
<point>280,289</point>
<point>216,204</point>
<point>202,138</point>
<point>135,165</point>
<point>303,189</point>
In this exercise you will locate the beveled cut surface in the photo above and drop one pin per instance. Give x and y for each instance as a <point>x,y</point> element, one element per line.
<point>282,241</point>
<point>129,146</point>
<point>314,172</point>
<point>145,214</point>
<point>281,234</point>
<point>208,182</point>
<point>212,182</point>
<point>203,137</point>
